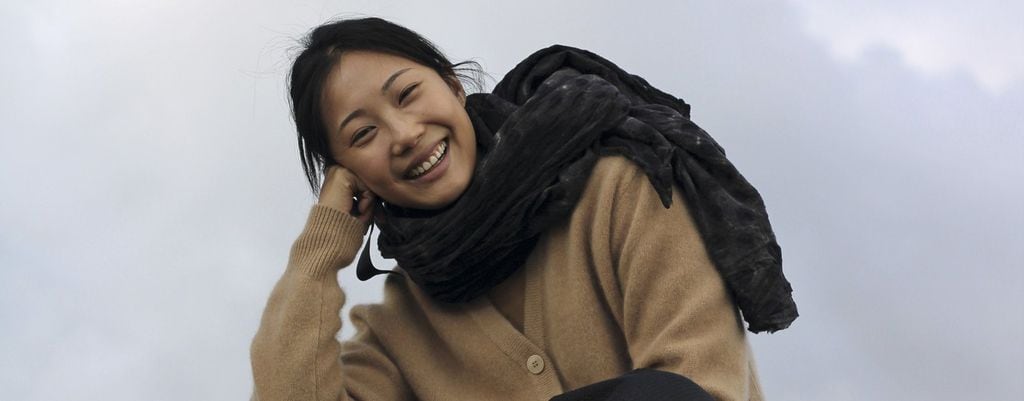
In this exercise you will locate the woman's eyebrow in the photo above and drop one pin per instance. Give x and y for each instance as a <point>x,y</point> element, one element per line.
<point>383,91</point>
<point>391,79</point>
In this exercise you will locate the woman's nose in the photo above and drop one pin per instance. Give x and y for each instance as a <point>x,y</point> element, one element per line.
<point>406,136</point>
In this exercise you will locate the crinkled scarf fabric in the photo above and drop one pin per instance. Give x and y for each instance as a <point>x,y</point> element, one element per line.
<point>539,135</point>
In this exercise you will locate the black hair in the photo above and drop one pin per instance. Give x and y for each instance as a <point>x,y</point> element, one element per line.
<point>321,50</point>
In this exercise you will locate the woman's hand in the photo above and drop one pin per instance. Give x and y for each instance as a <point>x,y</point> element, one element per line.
<point>342,190</point>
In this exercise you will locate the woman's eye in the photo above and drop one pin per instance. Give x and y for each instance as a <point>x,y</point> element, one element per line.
<point>359,135</point>
<point>406,92</point>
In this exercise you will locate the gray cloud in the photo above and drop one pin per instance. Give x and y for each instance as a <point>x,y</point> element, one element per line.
<point>150,189</point>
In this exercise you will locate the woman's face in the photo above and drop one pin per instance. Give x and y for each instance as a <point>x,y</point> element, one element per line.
<point>400,128</point>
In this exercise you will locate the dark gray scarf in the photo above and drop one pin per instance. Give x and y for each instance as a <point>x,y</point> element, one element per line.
<point>538,135</point>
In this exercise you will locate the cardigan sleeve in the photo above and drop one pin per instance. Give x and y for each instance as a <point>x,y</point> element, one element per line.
<point>294,354</point>
<point>676,313</point>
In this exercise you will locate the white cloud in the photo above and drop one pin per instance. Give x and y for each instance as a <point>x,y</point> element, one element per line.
<point>979,38</point>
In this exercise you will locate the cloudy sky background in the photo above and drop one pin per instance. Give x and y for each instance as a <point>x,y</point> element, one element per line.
<point>150,186</point>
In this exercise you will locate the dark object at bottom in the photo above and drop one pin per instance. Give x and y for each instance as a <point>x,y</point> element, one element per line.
<point>640,385</point>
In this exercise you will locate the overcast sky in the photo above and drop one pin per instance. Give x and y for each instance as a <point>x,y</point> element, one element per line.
<point>150,186</point>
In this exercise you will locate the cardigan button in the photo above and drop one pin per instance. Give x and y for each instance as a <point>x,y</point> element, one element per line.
<point>535,364</point>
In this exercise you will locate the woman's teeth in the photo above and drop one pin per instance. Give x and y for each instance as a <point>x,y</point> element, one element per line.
<point>431,161</point>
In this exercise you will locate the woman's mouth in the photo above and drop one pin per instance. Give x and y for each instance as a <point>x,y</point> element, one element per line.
<point>435,158</point>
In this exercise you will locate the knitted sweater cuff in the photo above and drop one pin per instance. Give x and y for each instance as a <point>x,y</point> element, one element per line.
<point>329,241</point>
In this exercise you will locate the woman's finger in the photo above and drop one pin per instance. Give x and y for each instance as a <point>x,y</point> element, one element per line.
<point>339,188</point>
<point>358,186</point>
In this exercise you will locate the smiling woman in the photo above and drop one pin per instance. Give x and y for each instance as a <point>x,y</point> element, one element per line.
<point>400,127</point>
<point>570,236</point>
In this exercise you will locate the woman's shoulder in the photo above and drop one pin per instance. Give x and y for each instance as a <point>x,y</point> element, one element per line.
<point>618,179</point>
<point>615,165</point>
<point>610,171</point>
<point>619,197</point>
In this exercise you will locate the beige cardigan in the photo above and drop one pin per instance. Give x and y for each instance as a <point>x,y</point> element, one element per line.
<point>624,284</point>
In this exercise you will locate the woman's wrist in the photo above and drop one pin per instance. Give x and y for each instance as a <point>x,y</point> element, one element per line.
<point>329,241</point>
